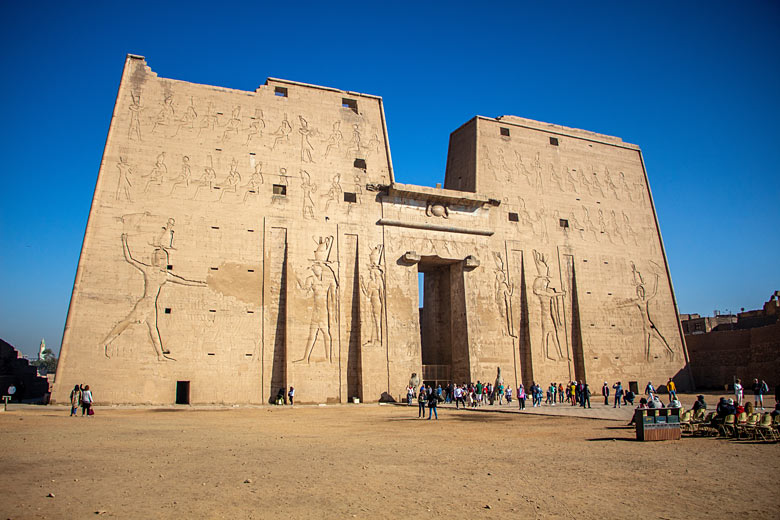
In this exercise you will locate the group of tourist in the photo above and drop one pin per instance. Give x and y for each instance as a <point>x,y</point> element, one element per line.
<point>760,388</point>
<point>81,396</point>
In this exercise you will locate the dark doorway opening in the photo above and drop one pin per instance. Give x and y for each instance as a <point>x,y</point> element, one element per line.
<point>182,392</point>
<point>443,331</point>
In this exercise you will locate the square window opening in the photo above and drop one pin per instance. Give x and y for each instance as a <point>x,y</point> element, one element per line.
<point>504,132</point>
<point>514,217</point>
<point>350,104</point>
<point>167,310</point>
<point>280,190</point>
<point>280,91</point>
<point>554,141</point>
<point>360,163</point>
<point>564,223</point>
<point>350,197</point>
<point>169,267</point>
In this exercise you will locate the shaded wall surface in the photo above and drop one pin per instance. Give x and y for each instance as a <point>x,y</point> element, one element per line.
<point>17,371</point>
<point>719,356</point>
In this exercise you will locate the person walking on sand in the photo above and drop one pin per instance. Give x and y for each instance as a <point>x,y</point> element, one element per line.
<point>521,396</point>
<point>421,402</point>
<point>86,402</point>
<point>759,390</point>
<point>650,390</point>
<point>75,400</point>
<point>585,396</point>
<point>605,393</point>
<point>291,394</point>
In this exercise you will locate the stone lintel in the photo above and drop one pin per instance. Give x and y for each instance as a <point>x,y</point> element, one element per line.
<point>440,195</point>
<point>434,227</point>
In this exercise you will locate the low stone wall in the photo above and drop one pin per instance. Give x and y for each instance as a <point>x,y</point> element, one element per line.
<point>717,357</point>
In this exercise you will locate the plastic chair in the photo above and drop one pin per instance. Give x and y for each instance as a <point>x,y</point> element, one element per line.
<point>728,429</point>
<point>765,430</point>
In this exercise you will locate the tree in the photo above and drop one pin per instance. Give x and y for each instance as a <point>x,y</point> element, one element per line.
<point>48,364</point>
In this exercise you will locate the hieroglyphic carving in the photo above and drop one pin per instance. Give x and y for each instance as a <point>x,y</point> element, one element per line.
<point>231,181</point>
<point>629,230</point>
<point>208,177</point>
<point>306,146</point>
<point>308,201</point>
<point>549,301</point>
<point>252,188</point>
<point>334,192</point>
<point>588,224</point>
<point>436,210</point>
<point>256,126</point>
<point>211,120</point>
<point>611,186</point>
<point>537,173</point>
<point>334,139</point>
<point>157,175</point>
<point>156,275</point>
<point>555,177</point>
<point>503,290</point>
<point>233,125</point>
<point>167,115</point>
<point>322,288</point>
<point>353,147</point>
<point>135,113</point>
<point>642,302</point>
<point>184,177</point>
<point>374,291</point>
<point>124,183</point>
<point>282,133</point>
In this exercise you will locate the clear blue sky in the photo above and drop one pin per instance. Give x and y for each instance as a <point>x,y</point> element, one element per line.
<point>695,84</point>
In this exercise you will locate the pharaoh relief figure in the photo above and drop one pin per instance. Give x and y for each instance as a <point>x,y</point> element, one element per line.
<point>503,291</point>
<point>145,311</point>
<point>321,285</point>
<point>642,301</point>
<point>550,307</point>
<point>373,289</point>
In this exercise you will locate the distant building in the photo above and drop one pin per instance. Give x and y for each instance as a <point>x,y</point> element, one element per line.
<point>16,371</point>
<point>725,347</point>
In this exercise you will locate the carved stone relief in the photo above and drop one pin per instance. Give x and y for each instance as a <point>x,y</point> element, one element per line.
<point>321,285</point>
<point>373,289</point>
<point>550,302</point>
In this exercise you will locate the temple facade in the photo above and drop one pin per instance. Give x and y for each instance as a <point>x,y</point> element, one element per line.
<point>242,242</point>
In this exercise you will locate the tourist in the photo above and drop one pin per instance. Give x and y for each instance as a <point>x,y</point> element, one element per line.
<point>628,397</point>
<point>585,395</point>
<point>747,408</point>
<point>738,391</point>
<point>725,407</point>
<point>643,403</point>
<point>280,397</point>
<point>521,396</point>
<point>75,400</point>
<point>421,402</point>
<point>458,393</point>
<point>699,404</point>
<point>672,389</point>
<point>618,394</point>
<point>548,395</point>
<point>501,393</point>
<point>674,403</point>
<point>291,395</point>
<point>560,393</point>
<point>433,402</point>
<point>573,392</point>
<point>86,402</point>
<point>776,411</point>
<point>759,389</point>
<point>650,390</point>
<point>655,402</point>
<point>605,393</point>
<point>409,394</point>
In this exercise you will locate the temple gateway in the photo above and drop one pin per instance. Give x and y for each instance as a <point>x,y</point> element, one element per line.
<point>242,242</point>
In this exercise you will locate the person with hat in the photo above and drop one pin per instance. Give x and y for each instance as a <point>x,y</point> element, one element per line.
<point>699,404</point>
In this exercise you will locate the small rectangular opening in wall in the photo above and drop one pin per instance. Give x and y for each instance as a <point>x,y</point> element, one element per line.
<point>251,230</point>
<point>182,392</point>
<point>588,292</point>
<point>350,197</point>
<point>280,91</point>
<point>214,268</point>
<point>250,270</point>
<point>280,190</point>
<point>514,217</point>
<point>609,294</point>
<point>504,131</point>
<point>214,227</point>
<point>250,312</point>
<point>169,267</point>
<point>218,149</point>
<point>167,310</point>
<point>350,104</point>
<point>554,141</point>
<point>360,163</point>
<point>564,223</point>
<point>251,153</point>
<point>248,355</point>
<point>606,262</point>
<point>212,310</point>
<point>584,259</point>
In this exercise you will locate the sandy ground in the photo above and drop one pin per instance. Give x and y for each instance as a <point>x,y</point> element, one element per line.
<point>368,461</point>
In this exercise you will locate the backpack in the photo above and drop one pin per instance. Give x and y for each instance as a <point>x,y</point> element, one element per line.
<point>764,388</point>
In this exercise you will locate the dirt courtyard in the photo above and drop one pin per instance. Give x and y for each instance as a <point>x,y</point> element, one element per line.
<point>368,461</point>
